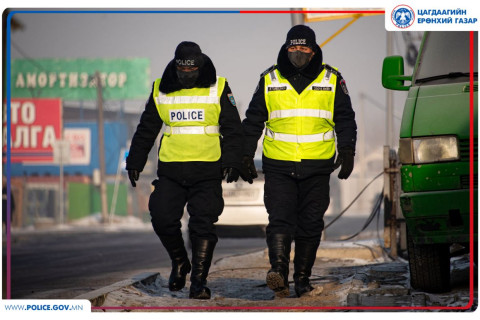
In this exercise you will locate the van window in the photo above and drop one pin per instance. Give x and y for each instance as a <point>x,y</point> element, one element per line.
<point>445,58</point>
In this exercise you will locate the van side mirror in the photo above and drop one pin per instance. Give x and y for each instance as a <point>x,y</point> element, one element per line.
<point>392,74</point>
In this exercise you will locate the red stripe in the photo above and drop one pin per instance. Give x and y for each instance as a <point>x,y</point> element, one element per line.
<point>312,11</point>
<point>472,114</point>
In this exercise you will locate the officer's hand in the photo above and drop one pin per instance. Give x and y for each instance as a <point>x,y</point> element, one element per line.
<point>133,175</point>
<point>248,171</point>
<point>344,159</point>
<point>231,174</point>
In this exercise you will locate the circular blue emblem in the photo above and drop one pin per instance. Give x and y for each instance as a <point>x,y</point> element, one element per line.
<point>403,16</point>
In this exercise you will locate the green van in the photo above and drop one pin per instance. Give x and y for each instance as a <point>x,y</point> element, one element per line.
<point>434,154</point>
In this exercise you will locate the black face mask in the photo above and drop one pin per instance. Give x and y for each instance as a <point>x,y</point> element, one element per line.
<point>188,78</point>
<point>299,59</point>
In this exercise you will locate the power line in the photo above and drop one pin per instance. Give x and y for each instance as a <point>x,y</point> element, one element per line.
<point>351,203</point>
<point>375,211</point>
<point>27,57</point>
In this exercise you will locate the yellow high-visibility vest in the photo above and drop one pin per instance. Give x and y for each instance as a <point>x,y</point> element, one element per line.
<point>192,130</point>
<point>300,126</point>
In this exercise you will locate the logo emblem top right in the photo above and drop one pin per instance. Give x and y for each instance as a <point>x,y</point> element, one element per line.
<point>403,16</point>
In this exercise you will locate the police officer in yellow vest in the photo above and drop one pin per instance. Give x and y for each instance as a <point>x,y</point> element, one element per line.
<point>304,104</point>
<point>202,141</point>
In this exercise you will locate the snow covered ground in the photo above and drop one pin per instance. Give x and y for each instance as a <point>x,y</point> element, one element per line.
<point>238,283</point>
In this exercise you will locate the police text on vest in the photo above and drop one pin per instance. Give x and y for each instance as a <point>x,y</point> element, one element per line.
<point>187,115</point>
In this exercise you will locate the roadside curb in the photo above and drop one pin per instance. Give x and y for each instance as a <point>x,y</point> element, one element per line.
<point>97,297</point>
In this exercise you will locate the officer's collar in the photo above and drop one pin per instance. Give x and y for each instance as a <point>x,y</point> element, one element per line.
<point>170,83</point>
<point>287,69</point>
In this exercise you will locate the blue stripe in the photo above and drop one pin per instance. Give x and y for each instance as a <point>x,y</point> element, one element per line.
<point>7,173</point>
<point>129,11</point>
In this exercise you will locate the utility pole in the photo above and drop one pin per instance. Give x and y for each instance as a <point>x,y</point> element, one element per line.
<point>391,205</point>
<point>297,18</point>
<point>389,99</point>
<point>362,148</point>
<point>101,149</point>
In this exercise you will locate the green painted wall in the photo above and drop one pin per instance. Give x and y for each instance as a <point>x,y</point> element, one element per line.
<point>84,200</point>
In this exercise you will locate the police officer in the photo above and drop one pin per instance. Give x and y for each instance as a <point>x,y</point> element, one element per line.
<point>201,145</point>
<point>303,103</point>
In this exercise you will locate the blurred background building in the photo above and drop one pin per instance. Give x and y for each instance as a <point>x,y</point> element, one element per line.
<point>54,130</point>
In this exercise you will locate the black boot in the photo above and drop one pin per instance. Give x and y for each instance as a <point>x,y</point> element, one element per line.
<point>180,263</point>
<point>202,253</point>
<point>305,254</point>
<point>279,246</point>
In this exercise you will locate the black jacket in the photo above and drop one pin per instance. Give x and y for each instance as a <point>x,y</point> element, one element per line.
<point>257,115</point>
<point>151,123</point>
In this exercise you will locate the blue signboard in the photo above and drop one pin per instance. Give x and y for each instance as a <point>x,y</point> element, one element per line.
<point>84,154</point>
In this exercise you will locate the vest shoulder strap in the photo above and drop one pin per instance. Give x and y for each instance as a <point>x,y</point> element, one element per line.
<point>156,87</point>
<point>332,70</point>
<point>264,73</point>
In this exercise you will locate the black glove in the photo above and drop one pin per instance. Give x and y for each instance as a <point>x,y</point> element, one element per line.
<point>133,175</point>
<point>248,171</point>
<point>232,174</point>
<point>344,159</point>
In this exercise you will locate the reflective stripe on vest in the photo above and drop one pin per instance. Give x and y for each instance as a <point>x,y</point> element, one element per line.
<point>301,113</point>
<point>276,85</point>
<point>211,98</point>
<point>191,123</point>
<point>300,126</point>
<point>192,130</point>
<point>299,138</point>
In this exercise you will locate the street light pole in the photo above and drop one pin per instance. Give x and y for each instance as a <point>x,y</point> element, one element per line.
<point>297,18</point>
<point>101,149</point>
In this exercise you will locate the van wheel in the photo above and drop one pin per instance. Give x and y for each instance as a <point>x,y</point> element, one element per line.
<point>429,266</point>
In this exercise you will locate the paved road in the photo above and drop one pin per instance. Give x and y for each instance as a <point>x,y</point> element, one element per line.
<point>67,264</point>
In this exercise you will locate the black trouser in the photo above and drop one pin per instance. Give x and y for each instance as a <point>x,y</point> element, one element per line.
<point>205,204</point>
<point>296,206</point>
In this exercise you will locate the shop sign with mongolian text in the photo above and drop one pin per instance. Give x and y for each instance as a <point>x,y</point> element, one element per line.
<point>35,126</point>
<point>74,79</point>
